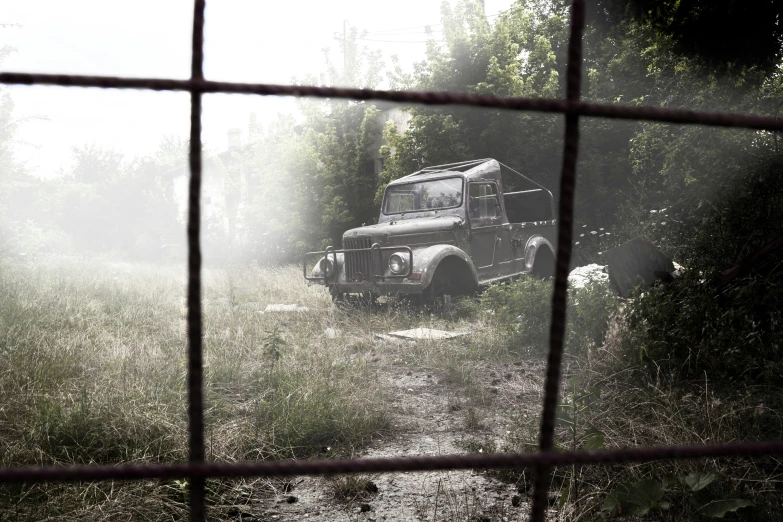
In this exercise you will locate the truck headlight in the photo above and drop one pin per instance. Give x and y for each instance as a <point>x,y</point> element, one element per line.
<point>398,263</point>
<point>327,266</point>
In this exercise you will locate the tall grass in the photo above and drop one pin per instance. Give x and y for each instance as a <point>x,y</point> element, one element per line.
<point>92,371</point>
<point>625,402</point>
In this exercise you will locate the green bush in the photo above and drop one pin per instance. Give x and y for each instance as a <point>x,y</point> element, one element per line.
<point>733,332</point>
<point>589,311</point>
<point>524,308</point>
<point>695,328</point>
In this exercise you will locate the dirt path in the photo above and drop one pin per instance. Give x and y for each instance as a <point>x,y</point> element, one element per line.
<point>433,417</point>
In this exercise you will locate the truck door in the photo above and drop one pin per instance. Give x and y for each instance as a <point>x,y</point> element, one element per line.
<point>485,216</point>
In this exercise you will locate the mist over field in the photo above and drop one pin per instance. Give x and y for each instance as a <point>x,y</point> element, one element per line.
<point>93,210</point>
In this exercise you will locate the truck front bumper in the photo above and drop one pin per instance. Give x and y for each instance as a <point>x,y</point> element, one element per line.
<point>347,276</point>
<point>385,288</point>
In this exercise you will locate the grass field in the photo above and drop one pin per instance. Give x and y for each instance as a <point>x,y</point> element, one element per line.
<point>93,367</point>
<point>92,370</point>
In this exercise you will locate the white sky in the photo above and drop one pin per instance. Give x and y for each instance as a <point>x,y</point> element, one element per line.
<point>245,41</point>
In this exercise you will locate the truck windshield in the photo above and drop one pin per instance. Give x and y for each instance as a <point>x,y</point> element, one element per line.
<point>423,195</point>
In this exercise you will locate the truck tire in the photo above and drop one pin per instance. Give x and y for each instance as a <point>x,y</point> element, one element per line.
<point>452,278</point>
<point>544,263</point>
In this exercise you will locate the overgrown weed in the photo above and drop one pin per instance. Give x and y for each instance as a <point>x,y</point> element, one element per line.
<point>638,407</point>
<point>522,309</point>
<point>93,370</point>
<point>460,500</point>
<point>350,488</point>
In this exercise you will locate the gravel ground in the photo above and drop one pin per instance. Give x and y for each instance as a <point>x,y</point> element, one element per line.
<point>430,420</point>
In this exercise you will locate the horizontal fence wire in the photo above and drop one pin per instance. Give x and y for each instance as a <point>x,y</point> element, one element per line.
<point>197,470</point>
<point>287,468</point>
<point>582,108</point>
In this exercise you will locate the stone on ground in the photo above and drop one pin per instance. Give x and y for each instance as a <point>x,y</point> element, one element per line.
<point>584,275</point>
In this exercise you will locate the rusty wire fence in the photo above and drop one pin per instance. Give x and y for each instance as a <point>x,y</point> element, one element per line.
<point>196,470</point>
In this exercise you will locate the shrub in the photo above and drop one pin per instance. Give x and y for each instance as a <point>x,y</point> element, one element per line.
<point>695,325</point>
<point>524,308</point>
<point>589,311</point>
<point>696,329</point>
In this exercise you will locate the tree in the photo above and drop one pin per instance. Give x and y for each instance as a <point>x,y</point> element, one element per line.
<point>311,180</point>
<point>94,164</point>
<point>625,169</point>
<point>522,54</point>
<point>725,35</point>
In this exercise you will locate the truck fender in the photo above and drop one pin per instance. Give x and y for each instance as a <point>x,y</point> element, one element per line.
<point>426,261</point>
<point>531,248</point>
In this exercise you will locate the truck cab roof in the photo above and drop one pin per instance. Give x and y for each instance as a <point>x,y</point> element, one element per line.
<point>474,170</point>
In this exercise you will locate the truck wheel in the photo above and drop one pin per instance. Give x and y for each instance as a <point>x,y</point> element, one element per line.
<point>452,277</point>
<point>439,292</point>
<point>544,263</point>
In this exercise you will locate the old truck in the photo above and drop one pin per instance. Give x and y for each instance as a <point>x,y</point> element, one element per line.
<point>444,230</point>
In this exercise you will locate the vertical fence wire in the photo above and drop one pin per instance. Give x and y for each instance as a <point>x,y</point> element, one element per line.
<point>562,260</point>
<point>196,487</point>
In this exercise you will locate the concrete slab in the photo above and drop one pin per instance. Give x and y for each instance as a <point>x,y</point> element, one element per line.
<point>390,339</point>
<point>285,308</point>
<point>426,333</point>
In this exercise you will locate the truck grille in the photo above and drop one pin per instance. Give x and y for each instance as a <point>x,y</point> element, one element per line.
<point>358,265</point>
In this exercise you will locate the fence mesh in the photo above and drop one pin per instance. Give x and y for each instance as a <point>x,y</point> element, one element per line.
<point>197,470</point>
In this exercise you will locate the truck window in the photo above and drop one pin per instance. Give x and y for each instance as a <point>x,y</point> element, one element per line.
<point>399,202</point>
<point>483,201</point>
<point>423,195</point>
<point>528,205</point>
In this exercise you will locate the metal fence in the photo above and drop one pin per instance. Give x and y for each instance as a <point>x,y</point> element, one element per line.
<point>197,470</point>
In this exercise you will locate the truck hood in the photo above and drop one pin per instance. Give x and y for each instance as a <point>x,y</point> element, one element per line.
<point>406,226</point>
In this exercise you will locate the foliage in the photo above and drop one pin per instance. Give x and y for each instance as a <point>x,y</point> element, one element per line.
<point>590,308</point>
<point>273,344</point>
<point>693,328</point>
<point>641,497</point>
<point>723,34</point>
<point>579,401</point>
<point>523,308</point>
<point>577,404</point>
<point>311,180</point>
<point>729,333</point>
<point>103,204</point>
<point>636,499</point>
